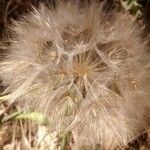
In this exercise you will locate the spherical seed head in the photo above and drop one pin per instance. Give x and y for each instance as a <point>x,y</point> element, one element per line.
<point>86,70</point>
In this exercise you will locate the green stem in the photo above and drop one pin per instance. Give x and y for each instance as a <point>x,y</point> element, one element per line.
<point>64,142</point>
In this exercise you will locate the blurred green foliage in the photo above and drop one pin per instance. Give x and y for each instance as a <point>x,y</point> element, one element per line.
<point>136,7</point>
<point>133,6</point>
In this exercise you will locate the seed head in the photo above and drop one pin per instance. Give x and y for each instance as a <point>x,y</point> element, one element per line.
<point>85,69</point>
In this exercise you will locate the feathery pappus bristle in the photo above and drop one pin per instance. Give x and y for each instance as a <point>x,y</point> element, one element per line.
<point>86,70</point>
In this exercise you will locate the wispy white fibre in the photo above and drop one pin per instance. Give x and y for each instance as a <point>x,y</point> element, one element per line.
<point>85,69</point>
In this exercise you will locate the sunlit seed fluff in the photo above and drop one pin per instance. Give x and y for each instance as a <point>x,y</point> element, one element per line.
<point>85,69</point>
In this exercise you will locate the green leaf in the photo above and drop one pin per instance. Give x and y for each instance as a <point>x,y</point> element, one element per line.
<point>34,116</point>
